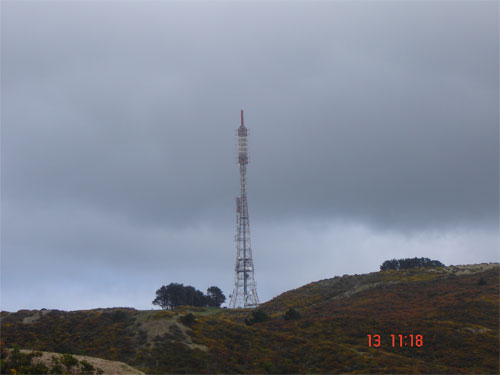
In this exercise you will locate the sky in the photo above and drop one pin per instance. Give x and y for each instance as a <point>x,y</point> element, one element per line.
<point>373,134</point>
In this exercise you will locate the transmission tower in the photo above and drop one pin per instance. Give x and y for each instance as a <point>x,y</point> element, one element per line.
<point>244,292</point>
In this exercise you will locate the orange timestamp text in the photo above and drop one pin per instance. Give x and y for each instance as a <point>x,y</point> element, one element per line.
<point>398,340</point>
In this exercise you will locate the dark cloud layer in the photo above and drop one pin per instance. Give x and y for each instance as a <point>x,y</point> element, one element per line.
<point>118,144</point>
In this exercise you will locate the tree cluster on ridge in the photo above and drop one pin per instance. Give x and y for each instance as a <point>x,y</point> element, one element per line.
<point>174,294</point>
<point>407,263</point>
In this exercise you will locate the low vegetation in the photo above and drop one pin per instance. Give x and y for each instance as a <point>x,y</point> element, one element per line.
<point>321,327</point>
<point>17,362</point>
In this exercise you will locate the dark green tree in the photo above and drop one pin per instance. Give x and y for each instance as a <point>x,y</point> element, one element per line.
<point>215,297</point>
<point>193,297</point>
<point>170,296</point>
<point>162,298</point>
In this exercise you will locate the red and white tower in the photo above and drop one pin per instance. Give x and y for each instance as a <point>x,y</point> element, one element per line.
<point>244,292</point>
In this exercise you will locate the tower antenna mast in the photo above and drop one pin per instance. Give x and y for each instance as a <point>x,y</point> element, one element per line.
<point>244,292</point>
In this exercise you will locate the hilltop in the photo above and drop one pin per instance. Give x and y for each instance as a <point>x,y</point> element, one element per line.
<point>455,309</point>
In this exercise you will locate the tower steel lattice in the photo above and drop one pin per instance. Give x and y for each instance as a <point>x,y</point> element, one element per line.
<point>244,292</point>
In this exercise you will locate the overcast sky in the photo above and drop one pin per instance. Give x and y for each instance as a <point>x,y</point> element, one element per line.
<point>374,134</point>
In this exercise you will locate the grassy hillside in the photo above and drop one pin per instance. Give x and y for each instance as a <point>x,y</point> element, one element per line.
<point>455,309</point>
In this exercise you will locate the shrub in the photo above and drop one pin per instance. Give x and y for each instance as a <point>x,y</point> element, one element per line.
<point>257,317</point>
<point>87,368</point>
<point>292,314</point>
<point>187,319</point>
<point>119,315</point>
<point>69,361</point>
<point>21,363</point>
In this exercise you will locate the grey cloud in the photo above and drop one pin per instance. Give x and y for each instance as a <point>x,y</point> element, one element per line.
<point>118,127</point>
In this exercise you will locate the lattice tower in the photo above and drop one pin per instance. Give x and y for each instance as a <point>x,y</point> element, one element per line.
<point>244,292</point>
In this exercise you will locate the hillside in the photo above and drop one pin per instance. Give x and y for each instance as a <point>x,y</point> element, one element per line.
<point>455,309</point>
